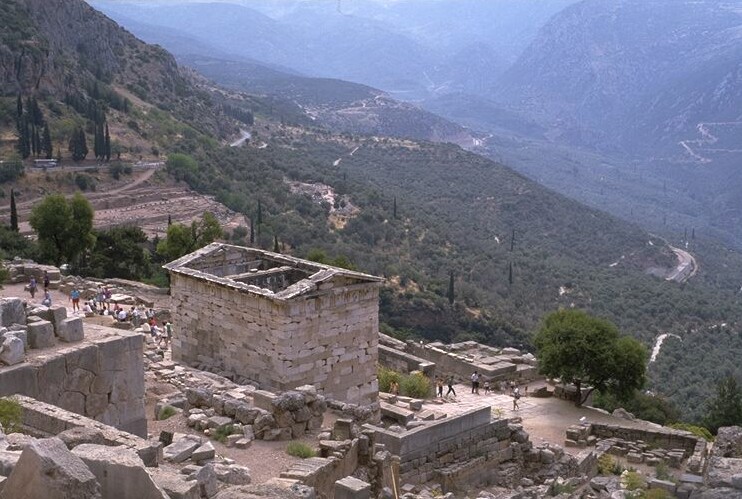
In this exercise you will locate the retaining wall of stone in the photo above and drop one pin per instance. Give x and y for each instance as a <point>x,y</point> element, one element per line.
<point>458,452</point>
<point>328,339</point>
<point>322,472</point>
<point>101,377</point>
<point>404,362</point>
<point>43,420</point>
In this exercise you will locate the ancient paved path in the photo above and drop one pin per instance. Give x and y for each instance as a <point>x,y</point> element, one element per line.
<point>545,419</point>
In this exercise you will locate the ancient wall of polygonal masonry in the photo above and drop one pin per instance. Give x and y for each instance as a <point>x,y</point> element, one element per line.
<point>101,377</point>
<point>325,335</point>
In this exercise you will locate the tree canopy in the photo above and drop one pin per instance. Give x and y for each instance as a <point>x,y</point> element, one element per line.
<point>586,350</point>
<point>182,239</point>
<point>64,228</point>
<point>725,408</point>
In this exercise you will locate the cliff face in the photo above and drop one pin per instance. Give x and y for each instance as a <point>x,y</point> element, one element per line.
<point>61,48</point>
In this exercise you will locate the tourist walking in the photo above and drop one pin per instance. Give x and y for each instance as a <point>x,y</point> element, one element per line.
<point>475,382</point>
<point>46,281</point>
<point>449,382</point>
<point>439,385</point>
<point>75,298</point>
<point>32,287</point>
<point>47,301</point>
<point>516,397</point>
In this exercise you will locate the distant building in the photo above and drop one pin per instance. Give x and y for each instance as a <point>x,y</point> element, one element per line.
<point>44,163</point>
<point>280,321</point>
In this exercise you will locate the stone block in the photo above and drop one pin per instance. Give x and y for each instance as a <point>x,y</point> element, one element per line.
<point>204,452</point>
<point>352,488</point>
<point>119,471</point>
<point>634,457</point>
<point>207,481</point>
<point>263,399</point>
<point>181,449</point>
<point>12,351</point>
<point>48,469</point>
<point>70,330</point>
<point>662,484</point>
<point>8,460</point>
<point>243,443</point>
<point>232,474</point>
<point>21,334</point>
<point>176,485</point>
<point>41,334</point>
<point>216,422</point>
<point>12,311</point>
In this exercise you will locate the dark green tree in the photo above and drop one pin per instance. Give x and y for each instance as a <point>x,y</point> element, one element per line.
<point>394,208</point>
<point>586,350</point>
<point>24,137</point>
<point>107,145</point>
<point>13,212</point>
<point>252,233</point>
<point>725,408</point>
<point>451,292</point>
<point>19,107</point>
<point>64,228</point>
<point>182,239</point>
<point>510,274</point>
<point>78,145</point>
<point>119,252</point>
<point>46,143</point>
<point>276,247</point>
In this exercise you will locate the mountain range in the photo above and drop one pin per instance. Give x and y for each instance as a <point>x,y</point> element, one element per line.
<point>418,212</point>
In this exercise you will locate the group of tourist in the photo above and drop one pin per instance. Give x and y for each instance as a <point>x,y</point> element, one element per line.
<point>475,379</point>
<point>33,286</point>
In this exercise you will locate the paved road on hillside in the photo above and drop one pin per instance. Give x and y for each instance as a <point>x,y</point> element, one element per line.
<point>686,267</point>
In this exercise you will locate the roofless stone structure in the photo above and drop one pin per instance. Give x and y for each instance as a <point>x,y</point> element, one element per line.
<point>277,320</point>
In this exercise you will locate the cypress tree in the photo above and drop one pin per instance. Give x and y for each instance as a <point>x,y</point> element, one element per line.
<point>23,145</point>
<point>276,248</point>
<point>37,141</point>
<point>260,214</point>
<point>394,209</point>
<point>510,274</point>
<point>451,294</point>
<point>512,241</point>
<point>13,212</point>
<point>46,143</point>
<point>169,220</point>
<point>107,144</point>
<point>252,232</point>
<point>19,107</point>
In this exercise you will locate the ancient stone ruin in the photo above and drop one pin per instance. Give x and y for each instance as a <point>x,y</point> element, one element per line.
<point>278,321</point>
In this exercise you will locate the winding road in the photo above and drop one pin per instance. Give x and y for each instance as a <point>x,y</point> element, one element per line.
<point>686,268</point>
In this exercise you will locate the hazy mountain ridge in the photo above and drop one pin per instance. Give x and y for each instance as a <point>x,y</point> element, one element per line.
<point>613,70</point>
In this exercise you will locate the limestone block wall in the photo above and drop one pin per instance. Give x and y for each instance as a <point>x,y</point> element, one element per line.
<point>44,420</point>
<point>101,378</point>
<point>328,339</point>
<point>454,451</point>
<point>404,362</point>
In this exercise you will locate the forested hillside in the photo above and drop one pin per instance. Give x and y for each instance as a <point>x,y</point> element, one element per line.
<point>470,249</point>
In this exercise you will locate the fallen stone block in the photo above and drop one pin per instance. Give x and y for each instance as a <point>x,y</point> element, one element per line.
<point>232,474</point>
<point>12,351</point>
<point>181,449</point>
<point>353,488</point>
<point>204,452</point>
<point>8,460</point>
<point>41,334</point>
<point>12,311</point>
<point>48,469</point>
<point>217,422</point>
<point>70,330</point>
<point>207,481</point>
<point>119,471</point>
<point>176,485</point>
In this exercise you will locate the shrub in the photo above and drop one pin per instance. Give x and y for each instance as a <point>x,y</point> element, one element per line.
<point>698,431</point>
<point>300,449</point>
<point>633,481</point>
<point>657,494</point>
<point>415,385</point>
<point>223,432</point>
<point>561,488</point>
<point>11,415</point>
<point>662,471</point>
<point>609,466</point>
<point>166,412</point>
<point>386,377</point>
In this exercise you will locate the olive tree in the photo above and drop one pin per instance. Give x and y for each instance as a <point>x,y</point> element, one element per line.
<point>586,350</point>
